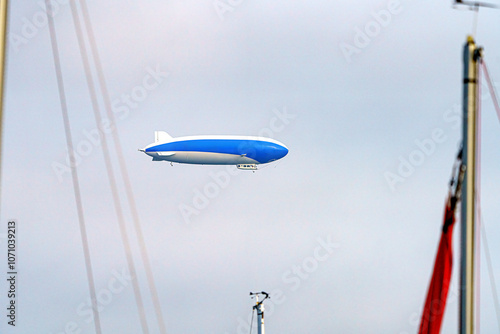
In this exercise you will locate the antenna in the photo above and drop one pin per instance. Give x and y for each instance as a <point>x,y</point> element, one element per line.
<point>475,4</point>
<point>260,310</point>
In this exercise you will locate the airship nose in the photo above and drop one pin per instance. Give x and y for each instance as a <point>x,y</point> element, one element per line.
<point>278,152</point>
<point>282,151</point>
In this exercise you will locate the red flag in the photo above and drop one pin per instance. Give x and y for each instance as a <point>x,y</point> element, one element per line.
<point>435,303</point>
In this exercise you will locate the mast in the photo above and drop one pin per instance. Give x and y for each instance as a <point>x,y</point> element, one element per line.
<point>471,54</point>
<point>260,310</point>
<point>4,6</point>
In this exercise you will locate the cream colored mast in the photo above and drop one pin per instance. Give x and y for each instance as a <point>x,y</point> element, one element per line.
<point>3,46</point>
<point>472,55</point>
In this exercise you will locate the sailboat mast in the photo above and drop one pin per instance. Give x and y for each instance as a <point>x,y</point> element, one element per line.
<point>4,6</point>
<point>471,58</point>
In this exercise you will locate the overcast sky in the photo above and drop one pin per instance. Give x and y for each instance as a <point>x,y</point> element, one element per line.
<point>342,232</point>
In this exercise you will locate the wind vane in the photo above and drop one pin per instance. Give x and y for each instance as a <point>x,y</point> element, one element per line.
<point>475,4</point>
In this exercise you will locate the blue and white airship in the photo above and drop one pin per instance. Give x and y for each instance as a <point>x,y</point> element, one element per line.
<point>246,152</point>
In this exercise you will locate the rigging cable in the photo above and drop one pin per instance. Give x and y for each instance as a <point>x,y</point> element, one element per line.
<point>109,169</point>
<point>251,321</point>
<point>494,98</point>
<point>490,272</point>
<point>74,173</point>
<point>477,235</point>
<point>493,93</point>
<point>123,168</point>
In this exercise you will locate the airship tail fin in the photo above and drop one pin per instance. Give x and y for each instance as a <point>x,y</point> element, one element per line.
<point>162,136</point>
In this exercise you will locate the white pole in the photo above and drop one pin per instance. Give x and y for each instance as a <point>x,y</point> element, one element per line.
<point>259,307</point>
<point>260,316</point>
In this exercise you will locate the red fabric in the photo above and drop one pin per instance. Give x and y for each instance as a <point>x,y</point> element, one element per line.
<point>435,303</point>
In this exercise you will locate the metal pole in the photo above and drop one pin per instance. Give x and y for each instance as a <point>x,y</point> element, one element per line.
<point>4,6</point>
<point>471,64</point>
<point>260,315</point>
<point>259,307</point>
